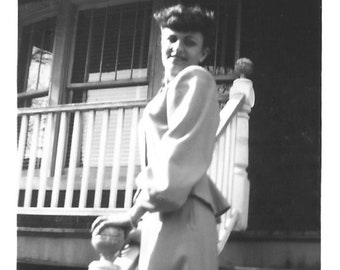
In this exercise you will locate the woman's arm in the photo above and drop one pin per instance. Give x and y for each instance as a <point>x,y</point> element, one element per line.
<point>185,149</point>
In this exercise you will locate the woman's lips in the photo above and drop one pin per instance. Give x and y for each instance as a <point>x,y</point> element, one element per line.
<point>176,58</point>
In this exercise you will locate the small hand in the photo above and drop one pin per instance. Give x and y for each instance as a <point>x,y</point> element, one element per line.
<point>121,220</point>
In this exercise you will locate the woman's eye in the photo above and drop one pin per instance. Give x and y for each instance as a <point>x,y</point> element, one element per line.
<point>172,39</point>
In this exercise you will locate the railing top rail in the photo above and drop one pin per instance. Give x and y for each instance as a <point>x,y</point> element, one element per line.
<point>228,111</point>
<point>71,211</point>
<point>81,107</point>
<point>107,84</point>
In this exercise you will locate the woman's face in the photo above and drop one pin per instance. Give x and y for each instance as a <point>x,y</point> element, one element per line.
<point>181,49</point>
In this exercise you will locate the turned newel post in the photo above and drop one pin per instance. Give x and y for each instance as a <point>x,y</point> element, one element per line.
<point>242,86</point>
<point>108,244</point>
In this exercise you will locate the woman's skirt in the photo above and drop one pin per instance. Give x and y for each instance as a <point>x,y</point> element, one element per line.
<point>185,239</point>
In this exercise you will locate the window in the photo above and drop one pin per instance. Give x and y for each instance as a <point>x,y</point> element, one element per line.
<point>111,51</point>
<point>35,63</point>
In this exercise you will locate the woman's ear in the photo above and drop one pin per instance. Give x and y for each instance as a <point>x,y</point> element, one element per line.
<point>204,54</point>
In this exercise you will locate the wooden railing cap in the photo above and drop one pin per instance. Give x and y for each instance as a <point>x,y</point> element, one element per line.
<point>244,86</point>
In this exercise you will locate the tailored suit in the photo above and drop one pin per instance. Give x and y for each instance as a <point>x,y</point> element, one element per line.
<point>177,136</point>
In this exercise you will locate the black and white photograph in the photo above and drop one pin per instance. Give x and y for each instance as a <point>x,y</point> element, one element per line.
<point>170,135</point>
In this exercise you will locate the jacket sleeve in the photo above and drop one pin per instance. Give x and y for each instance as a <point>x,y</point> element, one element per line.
<point>185,149</point>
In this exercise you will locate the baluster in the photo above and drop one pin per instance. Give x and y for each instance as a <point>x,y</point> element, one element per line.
<point>87,157</point>
<point>73,161</point>
<point>130,177</point>
<point>22,144</point>
<point>226,163</point>
<point>59,160</point>
<point>21,150</point>
<point>101,160</point>
<point>46,159</point>
<point>231,165</point>
<point>220,158</point>
<point>116,159</point>
<point>32,160</point>
<point>212,171</point>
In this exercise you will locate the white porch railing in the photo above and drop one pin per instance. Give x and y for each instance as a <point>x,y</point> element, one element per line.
<point>77,159</point>
<point>82,159</point>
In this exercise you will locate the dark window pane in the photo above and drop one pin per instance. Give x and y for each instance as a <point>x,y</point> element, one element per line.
<point>112,43</point>
<point>82,41</point>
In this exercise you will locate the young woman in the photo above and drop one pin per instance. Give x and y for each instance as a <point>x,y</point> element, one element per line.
<point>177,200</point>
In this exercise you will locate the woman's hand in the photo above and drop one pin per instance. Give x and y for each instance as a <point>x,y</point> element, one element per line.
<point>121,220</point>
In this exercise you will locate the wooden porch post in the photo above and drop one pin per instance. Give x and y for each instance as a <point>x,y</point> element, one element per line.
<point>61,62</point>
<point>243,86</point>
<point>64,27</point>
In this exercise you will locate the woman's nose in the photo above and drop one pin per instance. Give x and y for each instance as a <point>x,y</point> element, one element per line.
<point>177,46</point>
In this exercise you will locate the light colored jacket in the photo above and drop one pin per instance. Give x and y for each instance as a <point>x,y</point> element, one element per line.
<point>177,136</point>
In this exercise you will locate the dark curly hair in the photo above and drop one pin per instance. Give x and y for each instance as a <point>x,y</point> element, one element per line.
<point>188,19</point>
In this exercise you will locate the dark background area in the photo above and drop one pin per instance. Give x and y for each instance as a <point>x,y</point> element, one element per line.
<point>283,38</point>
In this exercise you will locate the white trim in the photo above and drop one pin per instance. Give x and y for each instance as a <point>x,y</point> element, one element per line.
<point>71,211</point>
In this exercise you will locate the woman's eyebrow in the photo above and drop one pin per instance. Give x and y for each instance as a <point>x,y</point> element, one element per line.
<point>191,37</point>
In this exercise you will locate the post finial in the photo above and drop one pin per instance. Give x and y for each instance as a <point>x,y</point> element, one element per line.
<point>243,67</point>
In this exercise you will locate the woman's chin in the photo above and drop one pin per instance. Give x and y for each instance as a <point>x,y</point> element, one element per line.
<point>176,69</point>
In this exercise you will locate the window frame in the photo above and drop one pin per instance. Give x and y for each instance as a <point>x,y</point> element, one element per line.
<point>23,97</point>
<point>72,87</point>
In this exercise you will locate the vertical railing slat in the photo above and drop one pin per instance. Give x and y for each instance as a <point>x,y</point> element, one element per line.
<point>21,149</point>
<point>213,166</point>
<point>46,158</point>
<point>116,159</point>
<point>130,177</point>
<point>22,144</point>
<point>101,160</point>
<point>220,159</point>
<point>226,163</point>
<point>32,160</point>
<point>59,160</point>
<point>73,161</point>
<point>232,126</point>
<point>87,158</point>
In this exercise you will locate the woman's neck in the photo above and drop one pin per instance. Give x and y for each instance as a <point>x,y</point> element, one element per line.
<point>167,78</point>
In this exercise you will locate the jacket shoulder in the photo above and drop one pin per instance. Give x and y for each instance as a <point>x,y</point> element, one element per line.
<point>195,71</point>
